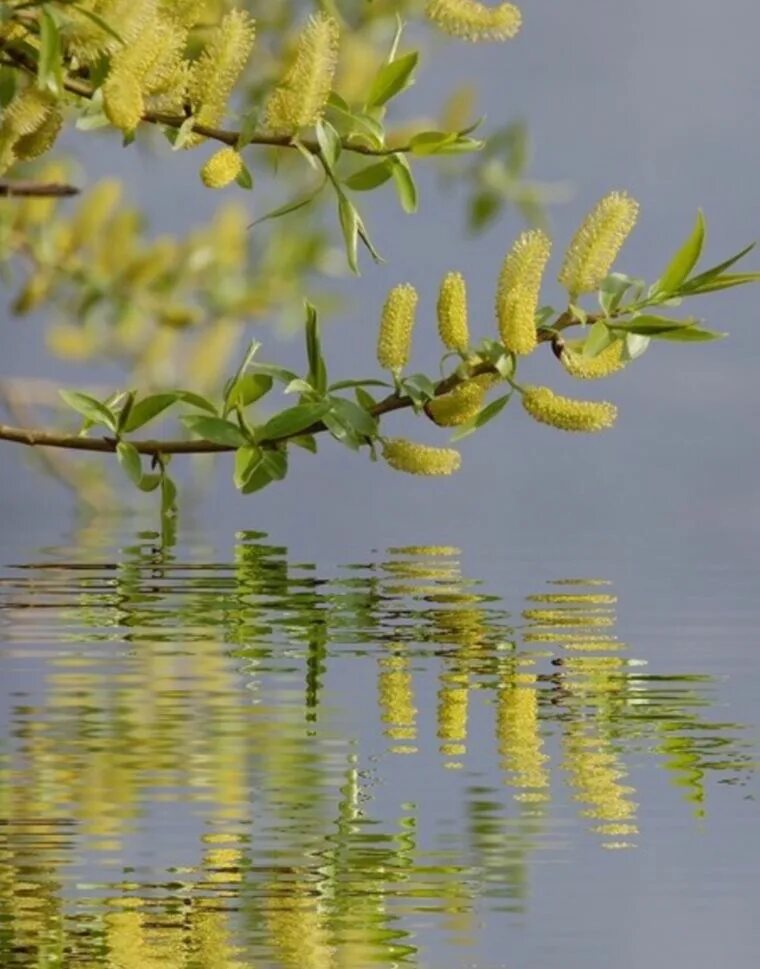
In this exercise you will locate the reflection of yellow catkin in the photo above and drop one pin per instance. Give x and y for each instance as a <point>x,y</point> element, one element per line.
<point>519,289</point>
<point>223,167</point>
<point>471,20</point>
<point>568,415</point>
<point>519,738</point>
<point>604,364</point>
<point>420,458</point>
<point>597,242</point>
<point>452,312</point>
<point>453,702</point>
<point>300,99</point>
<point>394,339</point>
<point>213,75</point>
<point>460,404</point>
<point>396,697</point>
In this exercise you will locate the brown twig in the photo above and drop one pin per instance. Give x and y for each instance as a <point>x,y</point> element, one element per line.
<point>26,189</point>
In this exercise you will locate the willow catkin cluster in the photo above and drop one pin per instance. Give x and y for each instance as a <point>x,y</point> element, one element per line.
<point>460,404</point>
<point>403,455</point>
<point>452,313</point>
<point>519,289</point>
<point>29,126</point>
<point>394,339</point>
<point>299,100</point>
<point>475,21</point>
<point>213,75</point>
<point>597,242</point>
<point>223,167</point>
<point>85,36</point>
<point>566,414</point>
<point>604,364</point>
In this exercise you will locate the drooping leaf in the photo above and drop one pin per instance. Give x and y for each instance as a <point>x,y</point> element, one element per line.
<point>129,459</point>
<point>599,338</point>
<point>349,223</point>
<point>317,367</point>
<point>405,185</point>
<point>329,142</point>
<point>355,416</point>
<point>482,417</point>
<point>690,334</point>
<point>370,177</point>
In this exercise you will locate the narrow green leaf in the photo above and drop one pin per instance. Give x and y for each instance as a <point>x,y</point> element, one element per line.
<point>215,429</point>
<point>370,177</point>
<point>147,409</point>
<point>405,185</point>
<point>129,459</point>
<point>392,78</point>
<point>50,61</point>
<point>360,421</point>
<point>431,142</point>
<point>690,334</point>
<point>317,367</point>
<point>293,420</point>
<point>599,337</point>
<point>289,207</point>
<point>650,325</point>
<point>365,400</point>
<point>482,417</point>
<point>245,178</point>
<point>273,466</point>
<point>696,283</point>
<point>342,431</point>
<point>248,389</point>
<point>347,384</point>
<point>684,260</point>
<point>329,142</point>
<point>726,281</point>
<point>306,441</point>
<point>195,400</point>
<point>246,459</point>
<point>90,408</point>
<point>278,373</point>
<point>349,223</point>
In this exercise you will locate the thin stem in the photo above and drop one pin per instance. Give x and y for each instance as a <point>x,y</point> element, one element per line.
<point>26,189</point>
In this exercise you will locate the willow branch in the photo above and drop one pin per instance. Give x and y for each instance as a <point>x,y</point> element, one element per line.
<point>85,90</point>
<point>41,437</point>
<point>25,189</point>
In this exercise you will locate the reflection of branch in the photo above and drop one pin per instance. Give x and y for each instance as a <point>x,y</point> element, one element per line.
<point>25,189</point>
<point>40,437</point>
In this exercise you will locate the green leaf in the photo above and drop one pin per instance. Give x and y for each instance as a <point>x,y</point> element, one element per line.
<point>215,429</point>
<point>599,338</point>
<point>392,78</point>
<point>431,142</point>
<point>129,459</point>
<point>317,367</point>
<point>419,387</point>
<point>246,459</point>
<point>726,281</point>
<point>329,142</point>
<point>696,283</point>
<point>293,420</point>
<point>183,134</point>
<point>147,409</point>
<point>273,466</point>
<point>684,260</point>
<point>612,290</point>
<point>168,497</point>
<point>347,384</point>
<point>650,325</point>
<point>482,417</point>
<point>356,417</point>
<point>349,223</point>
<point>90,408</point>
<point>195,400</point>
<point>149,482</point>
<point>245,178</point>
<point>635,345</point>
<point>306,441</point>
<point>50,62</point>
<point>402,176</point>
<point>690,334</point>
<point>370,177</point>
<point>278,373</point>
<point>248,389</point>
<point>342,431</point>
<point>289,207</point>
<point>365,400</point>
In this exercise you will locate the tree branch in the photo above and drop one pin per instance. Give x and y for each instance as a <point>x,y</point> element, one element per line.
<point>25,189</point>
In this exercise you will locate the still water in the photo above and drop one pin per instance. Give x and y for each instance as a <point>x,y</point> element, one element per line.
<point>257,761</point>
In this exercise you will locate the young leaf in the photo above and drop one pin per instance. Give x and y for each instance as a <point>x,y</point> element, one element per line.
<point>272,466</point>
<point>690,334</point>
<point>431,142</point>
<point>402,176</point>
<point>599,337</point>
<point>347,384</point>
<point>650,325</point>
<point>215,429</point>
<point>696,283</point>
<point>146,409</point>
<point>370,177</point>
<point>293,420</point>
<point>90,408</point>
<point>306,441</point>
<point>50,62</point>
<point>246,459</point>
<point>317,367</point>
<point>349,223</point>
<point>684,260</point>
<point>289,207</point>
<point>482,418</point>
<point>247,390</point>
<point>391,79</point>
<point>356,417</point>
<point>195,400</point>
<point>329,142</point>
<point>245,178</point>
<point>129,459</point>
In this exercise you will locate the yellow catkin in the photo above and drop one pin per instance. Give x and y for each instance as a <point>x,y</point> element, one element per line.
<point>223,167</point>
<point>28,111</point>
<point>414,458</point>
<point>518,291</point>
<point>452,312</point>
<point>475,21</point>
<point>597,242</point>
<point>604,364</point>
<point>396,324</point>
<point>37,142</point>
<point>460,404</point>
<point>213,75</point>
<point>123,102</point>
<point>566,414</point>
<point>300,99</point>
